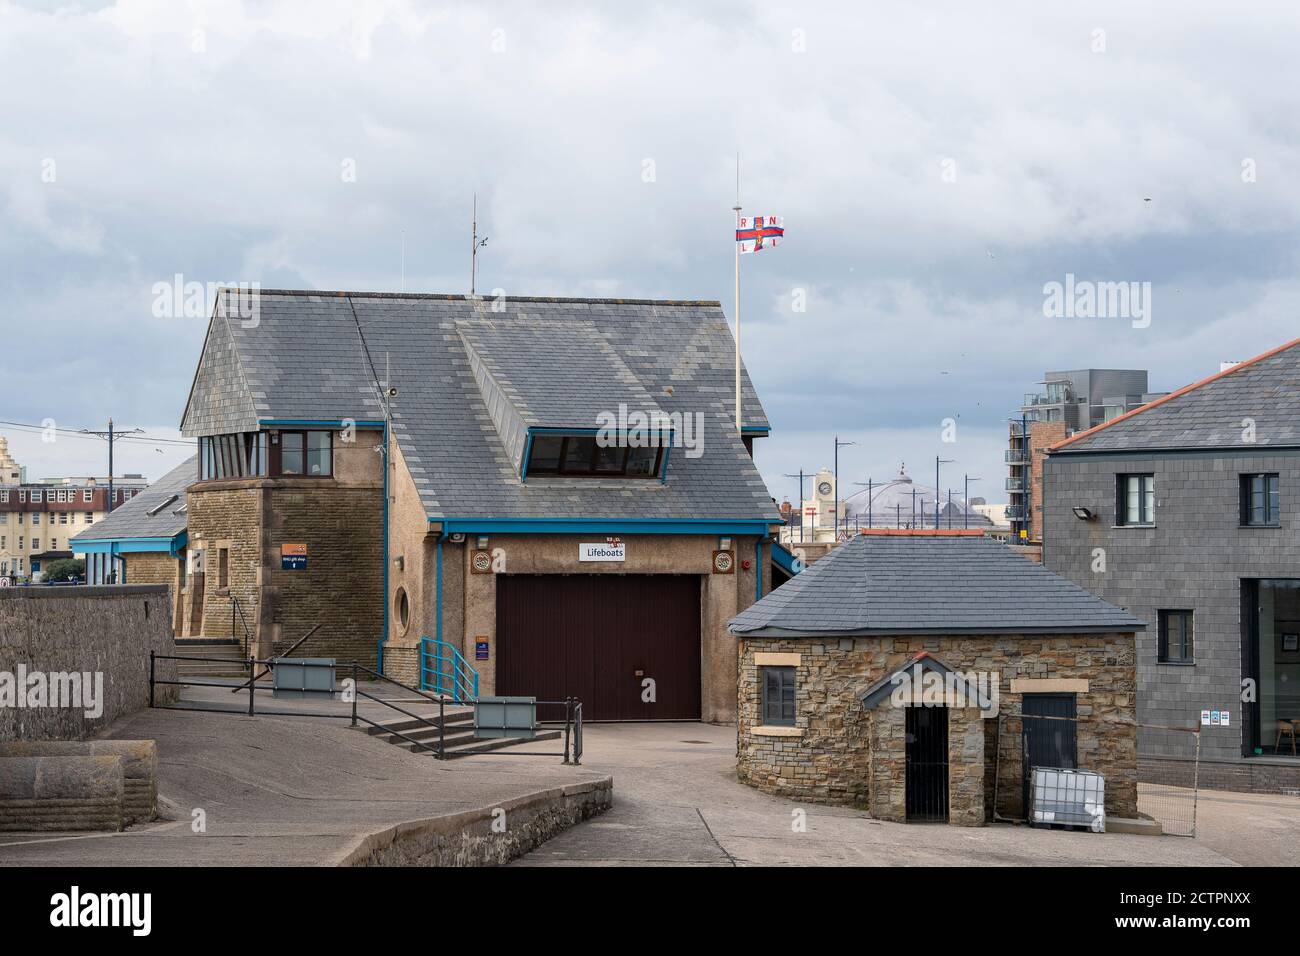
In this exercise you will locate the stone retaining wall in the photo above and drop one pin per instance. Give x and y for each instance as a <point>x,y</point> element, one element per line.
<point>469,838</point>
<point>105,630</point>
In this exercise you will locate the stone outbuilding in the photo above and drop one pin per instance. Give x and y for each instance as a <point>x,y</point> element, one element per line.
<point>909,673</point>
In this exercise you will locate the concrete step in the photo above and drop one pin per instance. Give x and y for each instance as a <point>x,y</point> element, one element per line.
<point>457,735</point>
<point>497,743</point>
<point>412,727</point>
<point>224,648</point>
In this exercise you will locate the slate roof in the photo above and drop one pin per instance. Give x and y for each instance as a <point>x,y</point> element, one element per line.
<point>936,584</point>
<point>552,361</point>
<point>133,520</point>
<point>1209,413</point>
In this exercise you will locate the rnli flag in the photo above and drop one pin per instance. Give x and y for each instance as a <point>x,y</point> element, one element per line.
<point>756,233</point>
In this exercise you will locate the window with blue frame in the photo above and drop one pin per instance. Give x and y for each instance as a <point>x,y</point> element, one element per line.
<point>583,457</point>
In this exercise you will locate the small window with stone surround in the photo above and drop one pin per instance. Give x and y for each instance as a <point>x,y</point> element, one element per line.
<point>778,696</point>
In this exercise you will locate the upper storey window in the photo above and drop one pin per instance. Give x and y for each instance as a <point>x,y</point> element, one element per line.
<point>261,454</point>
<point>582,456</point>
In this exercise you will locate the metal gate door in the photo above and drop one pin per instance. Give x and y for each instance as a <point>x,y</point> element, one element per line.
<point>1049,738</point>
<point>927,763</point>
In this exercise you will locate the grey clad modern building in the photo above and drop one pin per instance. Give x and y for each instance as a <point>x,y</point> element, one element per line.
<point>1185,511</point>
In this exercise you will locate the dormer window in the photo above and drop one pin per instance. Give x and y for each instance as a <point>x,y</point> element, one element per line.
<point>583,457</point>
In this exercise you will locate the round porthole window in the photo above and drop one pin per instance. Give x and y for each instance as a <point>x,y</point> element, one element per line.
<point>403,609</point>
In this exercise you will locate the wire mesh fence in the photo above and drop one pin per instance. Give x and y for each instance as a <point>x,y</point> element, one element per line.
<point>1165,787</point>
<point>1169,760</point>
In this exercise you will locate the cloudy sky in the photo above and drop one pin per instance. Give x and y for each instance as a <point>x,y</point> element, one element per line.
<point>936,165</point>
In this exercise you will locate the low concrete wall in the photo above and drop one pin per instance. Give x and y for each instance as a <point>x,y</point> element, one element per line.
<point>61,793</point>
<point>96,630</point>
<point>469,838</point>
<point>139,767</point>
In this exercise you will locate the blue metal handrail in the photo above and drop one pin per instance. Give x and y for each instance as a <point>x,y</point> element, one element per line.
<point>444,670</point>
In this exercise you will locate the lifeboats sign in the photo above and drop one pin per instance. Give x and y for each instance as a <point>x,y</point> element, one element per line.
<point>605,551</point>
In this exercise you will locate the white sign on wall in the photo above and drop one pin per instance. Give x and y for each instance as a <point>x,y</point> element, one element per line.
<point>604,551</point>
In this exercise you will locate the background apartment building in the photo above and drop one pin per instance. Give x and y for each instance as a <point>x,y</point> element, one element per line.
<point>1070,402</point>
<point>38,519</point>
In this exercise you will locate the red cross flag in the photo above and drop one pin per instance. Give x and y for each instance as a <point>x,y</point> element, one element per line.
<point>756,233</point>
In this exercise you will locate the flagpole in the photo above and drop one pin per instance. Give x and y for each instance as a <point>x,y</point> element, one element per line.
<point>737,252</point>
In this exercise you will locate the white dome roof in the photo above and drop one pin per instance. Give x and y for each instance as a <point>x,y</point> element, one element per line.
<point>901,503</point>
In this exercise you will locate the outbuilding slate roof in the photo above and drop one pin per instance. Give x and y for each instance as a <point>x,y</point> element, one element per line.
<point>552,360</point>
<point>910,584</point>
<point>132,519</point>
<point>1210,413</point>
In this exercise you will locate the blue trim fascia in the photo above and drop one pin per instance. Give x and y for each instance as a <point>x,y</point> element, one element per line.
<point>602,526</point>
<point>754,430</point>
<point>324,423</point>
<point>128,545</point>
<point>528,454</point>
<point>784,558</point>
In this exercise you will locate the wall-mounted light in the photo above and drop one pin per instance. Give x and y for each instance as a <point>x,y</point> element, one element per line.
<point>482,541</point>
<point>1082,513</point>
<point>399,562</point>
<point>724,544</point>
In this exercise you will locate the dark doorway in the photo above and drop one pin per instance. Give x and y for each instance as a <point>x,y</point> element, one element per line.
<point>600,638</point>
<point>1049,738</point>
<point>927,764</point>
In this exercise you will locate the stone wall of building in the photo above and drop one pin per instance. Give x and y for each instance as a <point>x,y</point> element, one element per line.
<point>341,587</point>
<point>469,600</point>
<point>839,752</point>
<point>225,515</point>
<point>106,630</point>
<point>157,567</point>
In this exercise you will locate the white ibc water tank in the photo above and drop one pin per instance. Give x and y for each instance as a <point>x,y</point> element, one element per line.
<point>1068,797</point>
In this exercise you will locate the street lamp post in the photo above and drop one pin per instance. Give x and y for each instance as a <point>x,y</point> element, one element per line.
<point>965,499</point>
<point>802,478</point>
<point>937,462</point>
<point>870,485</point>
<point>838,445</point>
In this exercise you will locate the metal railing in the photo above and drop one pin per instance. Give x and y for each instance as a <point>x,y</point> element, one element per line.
<point>449,674</point>
<point>237,608</point>
<point>572,752</point>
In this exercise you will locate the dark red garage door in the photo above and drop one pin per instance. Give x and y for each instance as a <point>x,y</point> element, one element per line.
<point>597,637</point>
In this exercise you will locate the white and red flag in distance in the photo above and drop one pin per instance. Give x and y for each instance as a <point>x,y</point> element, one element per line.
<point>756,233</point>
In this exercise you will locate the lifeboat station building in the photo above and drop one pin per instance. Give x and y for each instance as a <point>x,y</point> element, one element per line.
<point>526,496</point>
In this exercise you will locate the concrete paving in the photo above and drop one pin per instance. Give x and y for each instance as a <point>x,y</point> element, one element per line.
<point>282,791</point>
<point>677,803</point>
